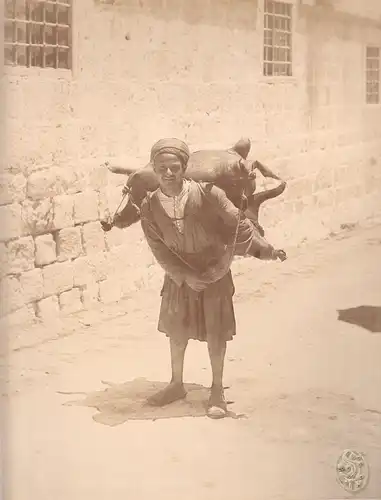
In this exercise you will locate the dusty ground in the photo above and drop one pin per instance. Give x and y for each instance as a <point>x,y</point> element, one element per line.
<point>304,385</point>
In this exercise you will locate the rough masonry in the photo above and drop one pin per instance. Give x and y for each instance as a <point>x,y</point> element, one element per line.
<point>192,69</point>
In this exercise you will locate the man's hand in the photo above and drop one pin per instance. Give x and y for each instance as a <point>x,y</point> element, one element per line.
<point>106,224</point>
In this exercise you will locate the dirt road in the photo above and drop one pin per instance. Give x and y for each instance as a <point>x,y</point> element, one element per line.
<point>304,387</point>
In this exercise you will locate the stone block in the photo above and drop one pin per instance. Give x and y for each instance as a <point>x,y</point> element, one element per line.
<point>4,264</point>
<point>32,285</point>
<point>58,278</point>
<point>117,264</point>
<point>269,217</point>
<point>69,243</point>
<point>115,238</point>
<point>299,188</point>
<point>37,216</point>
<point>371,184</point>
<point>297,166</point>
<point>171,11</point>
<point>244,17</point>
<point>341,175</point>
<point>12,188</point>
<point>85,207</point>
<point>90,269</point>
<point>11,222</point>
<point>90,295</point>
<point>11,297</point>
<point>50,182</point>
<point>98,178</point>
<point>63,209</point>
<point>70,301</point>
<point>346,193</point>
<point>45,250</point>
<point>110,290</point>
<point>104,208</point>
<point>193,13</point>
<point>109,199</point>
<point>302,204</point>
<point>21,317</point>
<point>48,309</point>
<point>325,198</point>
<point>93,238</point>
<point>21,255</point>
<point>323,179</point>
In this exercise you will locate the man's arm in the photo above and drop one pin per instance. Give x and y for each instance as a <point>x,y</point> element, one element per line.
<point>171,264</point>
<point>222,206</point>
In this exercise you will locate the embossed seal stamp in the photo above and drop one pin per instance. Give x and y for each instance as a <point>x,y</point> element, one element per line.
<point>352,471</point>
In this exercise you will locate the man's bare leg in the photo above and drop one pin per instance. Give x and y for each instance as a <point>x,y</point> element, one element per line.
<point>217,404</point>
<point>175,389</point>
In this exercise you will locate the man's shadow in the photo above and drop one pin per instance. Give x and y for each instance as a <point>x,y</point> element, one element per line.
<point>119,403</point>
<point>368,317</point>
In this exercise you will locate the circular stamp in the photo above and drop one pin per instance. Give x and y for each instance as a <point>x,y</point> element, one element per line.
<point>352,471</point>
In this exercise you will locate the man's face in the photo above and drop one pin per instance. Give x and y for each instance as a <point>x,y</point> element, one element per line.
<point>169,170</point>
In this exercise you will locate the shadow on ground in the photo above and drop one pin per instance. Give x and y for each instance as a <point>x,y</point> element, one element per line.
<point>368,317</point>
<point>119,403</point>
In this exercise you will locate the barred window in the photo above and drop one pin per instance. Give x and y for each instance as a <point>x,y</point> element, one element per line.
<point>38,33</point>
<point>372,75</point>
<point>277,57</point>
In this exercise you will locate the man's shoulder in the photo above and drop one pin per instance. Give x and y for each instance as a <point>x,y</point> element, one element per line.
<point>201,191</point>
<point>211,191</point>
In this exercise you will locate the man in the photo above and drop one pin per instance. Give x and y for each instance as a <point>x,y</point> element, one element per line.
<point>191,229</point>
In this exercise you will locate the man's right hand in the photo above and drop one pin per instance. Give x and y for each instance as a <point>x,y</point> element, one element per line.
<point>107,224</point>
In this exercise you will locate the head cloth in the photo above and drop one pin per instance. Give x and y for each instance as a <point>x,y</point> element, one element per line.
<point>171,146</point>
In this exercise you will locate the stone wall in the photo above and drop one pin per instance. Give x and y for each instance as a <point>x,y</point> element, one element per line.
<point>152,68</point>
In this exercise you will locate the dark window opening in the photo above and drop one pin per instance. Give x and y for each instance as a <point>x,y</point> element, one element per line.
<point>277,50</point>
<point>38,33</point>
<point>372,75</point>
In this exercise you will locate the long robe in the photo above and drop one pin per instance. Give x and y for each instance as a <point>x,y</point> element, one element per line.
<point>210,222</point>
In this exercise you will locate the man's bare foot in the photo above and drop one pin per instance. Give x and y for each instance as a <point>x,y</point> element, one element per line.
<point>173,392</point>
<point>217,405</point>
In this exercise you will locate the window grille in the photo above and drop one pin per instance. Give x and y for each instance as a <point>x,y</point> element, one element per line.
<point>38,33</point>
<point>277,60</point>
<point>372,75</point>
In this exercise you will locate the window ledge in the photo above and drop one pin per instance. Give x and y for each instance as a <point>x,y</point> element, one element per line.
<point>273,80</point>
<point>49,73</point>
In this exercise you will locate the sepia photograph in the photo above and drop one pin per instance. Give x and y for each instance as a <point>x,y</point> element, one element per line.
<point>190,250</point>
